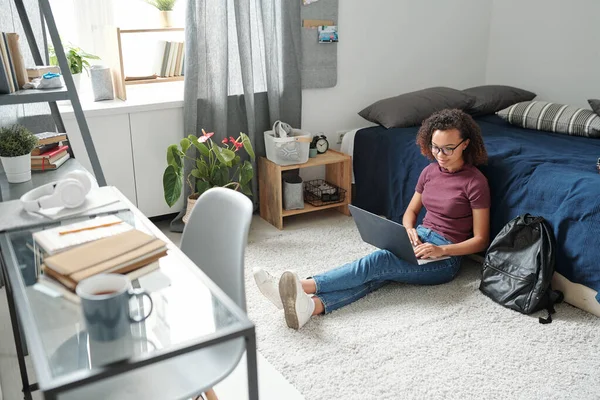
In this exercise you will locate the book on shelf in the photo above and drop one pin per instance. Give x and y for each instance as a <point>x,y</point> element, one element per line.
<point>172,50</point>
<point>45,138</point>
<point>7,70</point>
<point>17,59</point>
<point>50,155</point>
<point>11,65</point>
<point>170,58</point>
<point>178,59</point>
<point>48,161</point>
<point>13,73</point>
<point>121,253</point>
<point>45,165</point>
<point>4,86</point>
<point>44,148</point>
<point>182,60</point>
<point>158,61</point>
<point>165,59</point>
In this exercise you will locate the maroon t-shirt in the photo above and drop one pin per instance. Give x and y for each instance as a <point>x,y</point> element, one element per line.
<point>450,197</point>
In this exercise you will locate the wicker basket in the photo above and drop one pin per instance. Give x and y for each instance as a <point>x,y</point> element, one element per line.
<point>319,192</point>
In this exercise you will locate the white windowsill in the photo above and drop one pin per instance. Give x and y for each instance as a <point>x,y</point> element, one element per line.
<point>146,97</point>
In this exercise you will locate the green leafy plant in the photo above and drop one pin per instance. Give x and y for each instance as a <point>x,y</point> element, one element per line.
<point>76,58</point>
<point>215,165</point>
<point>16,141</point>
<point>162,5</point>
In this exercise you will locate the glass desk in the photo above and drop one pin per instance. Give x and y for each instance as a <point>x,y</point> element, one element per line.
<point>174,354</point>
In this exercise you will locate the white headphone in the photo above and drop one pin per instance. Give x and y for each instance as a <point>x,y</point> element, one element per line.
<point>69,192</point>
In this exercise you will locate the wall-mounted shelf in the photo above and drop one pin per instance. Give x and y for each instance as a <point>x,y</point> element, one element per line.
<point>114,58</point>
<point>157,80</point>
<point>152,30</point>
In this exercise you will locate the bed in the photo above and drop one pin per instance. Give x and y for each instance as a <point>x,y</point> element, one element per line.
<point>542,173</point>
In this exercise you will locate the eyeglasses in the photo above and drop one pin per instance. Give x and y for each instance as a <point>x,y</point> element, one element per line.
<point>447,151</point>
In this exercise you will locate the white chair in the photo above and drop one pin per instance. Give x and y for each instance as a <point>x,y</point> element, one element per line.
<point>215,238</point>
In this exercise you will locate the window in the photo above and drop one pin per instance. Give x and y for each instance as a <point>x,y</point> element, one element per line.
<point>83,23</point>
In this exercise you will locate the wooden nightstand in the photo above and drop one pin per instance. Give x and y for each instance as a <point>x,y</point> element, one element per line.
<point>338,171</point>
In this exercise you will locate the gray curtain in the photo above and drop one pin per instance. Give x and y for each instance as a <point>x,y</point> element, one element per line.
<point>242,71</point>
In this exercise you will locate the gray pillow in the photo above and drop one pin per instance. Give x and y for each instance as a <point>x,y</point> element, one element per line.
<point>595,104</point>
<point>410,109</point>
<point>492,98</point>
<point>553,117</point>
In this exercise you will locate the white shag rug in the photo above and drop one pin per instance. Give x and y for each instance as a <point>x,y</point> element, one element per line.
<point>416,342</point>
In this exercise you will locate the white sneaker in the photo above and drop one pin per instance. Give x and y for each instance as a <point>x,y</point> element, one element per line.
<point>297,305</point>
<point>267,284</point>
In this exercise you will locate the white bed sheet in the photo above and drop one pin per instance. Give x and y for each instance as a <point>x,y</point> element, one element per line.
<point>347,146</point>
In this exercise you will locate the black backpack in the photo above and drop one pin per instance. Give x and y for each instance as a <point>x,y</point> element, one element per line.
<point>518,267</point>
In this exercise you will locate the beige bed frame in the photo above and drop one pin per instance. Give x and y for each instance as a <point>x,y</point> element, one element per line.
<point>576,294</point>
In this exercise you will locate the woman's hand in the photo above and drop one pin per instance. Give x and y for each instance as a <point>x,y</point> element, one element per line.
<point>414,238</point>
<point>428,250</point>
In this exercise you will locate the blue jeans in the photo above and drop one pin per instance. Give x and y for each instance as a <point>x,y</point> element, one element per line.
<point>350,282</point>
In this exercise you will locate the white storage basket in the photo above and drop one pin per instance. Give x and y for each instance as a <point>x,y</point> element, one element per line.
<point>289,150</point>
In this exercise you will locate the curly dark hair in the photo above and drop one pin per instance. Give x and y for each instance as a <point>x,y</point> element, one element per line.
<point>474,154</point>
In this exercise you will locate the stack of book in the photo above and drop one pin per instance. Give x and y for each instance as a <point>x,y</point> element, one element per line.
<point>13,74</point>
<point>69,254</point>
<point>173,58</point>
<point>51,153</point>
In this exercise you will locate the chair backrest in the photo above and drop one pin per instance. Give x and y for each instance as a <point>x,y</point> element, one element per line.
<point>215,238</point>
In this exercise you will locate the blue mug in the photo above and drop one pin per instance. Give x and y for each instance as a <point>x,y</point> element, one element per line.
<point>105,301</point>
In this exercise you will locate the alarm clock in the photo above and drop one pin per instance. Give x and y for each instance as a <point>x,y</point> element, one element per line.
<point>320,143</point>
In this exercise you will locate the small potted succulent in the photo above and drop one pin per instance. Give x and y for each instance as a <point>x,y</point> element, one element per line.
<point>16,144</point>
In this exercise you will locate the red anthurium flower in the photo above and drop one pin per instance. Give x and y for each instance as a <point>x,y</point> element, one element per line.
<point>205,136</point>
<point>231,139</point>
<point>224,141</point>
<point>238,145</point>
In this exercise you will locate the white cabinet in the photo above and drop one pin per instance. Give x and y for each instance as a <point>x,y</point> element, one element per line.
<point>151,133</point>
<point>112,140</point>
<point>131,138</point>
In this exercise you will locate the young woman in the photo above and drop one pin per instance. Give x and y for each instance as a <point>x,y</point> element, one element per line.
<point>456,197</point>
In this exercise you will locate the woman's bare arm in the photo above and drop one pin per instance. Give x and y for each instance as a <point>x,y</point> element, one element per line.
<point>409,219</point>
<point>479,241</point>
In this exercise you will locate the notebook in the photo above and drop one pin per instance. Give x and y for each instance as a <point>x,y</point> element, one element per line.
<point>121,253</point>
<point>55,240</point>
<point>53,288</point>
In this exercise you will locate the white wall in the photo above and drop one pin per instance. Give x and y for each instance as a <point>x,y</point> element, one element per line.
<point>389,47</point>
<point>547,46</point>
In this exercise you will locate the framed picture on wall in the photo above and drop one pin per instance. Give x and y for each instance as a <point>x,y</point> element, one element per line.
<point>328,34</point>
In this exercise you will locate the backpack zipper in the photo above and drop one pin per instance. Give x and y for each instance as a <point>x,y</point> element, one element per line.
<point>528,279</point>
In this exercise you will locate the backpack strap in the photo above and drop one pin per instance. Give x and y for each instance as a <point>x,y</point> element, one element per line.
<point>555,297</point>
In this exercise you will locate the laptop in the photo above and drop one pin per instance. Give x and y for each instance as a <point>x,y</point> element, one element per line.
<point>387,235</point>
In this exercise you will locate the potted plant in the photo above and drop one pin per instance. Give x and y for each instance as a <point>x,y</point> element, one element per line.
<point>215,165</point>
<point>77,60</point>
<point>166,11</point>
<point>16,144</point>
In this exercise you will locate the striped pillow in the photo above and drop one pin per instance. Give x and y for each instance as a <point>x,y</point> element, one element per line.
<point>553,117</point>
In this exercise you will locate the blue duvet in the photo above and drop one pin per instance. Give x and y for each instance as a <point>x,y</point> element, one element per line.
<point>541,173</point>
